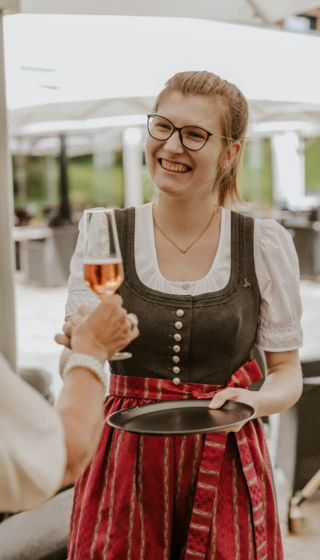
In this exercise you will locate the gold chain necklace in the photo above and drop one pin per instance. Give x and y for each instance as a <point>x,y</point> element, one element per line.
<point>193,242</point>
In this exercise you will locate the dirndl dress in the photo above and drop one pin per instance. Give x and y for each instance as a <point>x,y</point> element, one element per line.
<point>181,497</point>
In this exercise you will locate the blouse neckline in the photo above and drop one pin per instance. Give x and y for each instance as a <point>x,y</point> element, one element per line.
<point>133,280</point>
<point>214,265</point>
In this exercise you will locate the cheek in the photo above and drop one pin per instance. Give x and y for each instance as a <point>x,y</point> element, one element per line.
<point>211,163</point>
<point>208,166</point>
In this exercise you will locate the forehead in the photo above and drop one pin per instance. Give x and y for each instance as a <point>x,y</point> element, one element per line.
<point>189,109</point>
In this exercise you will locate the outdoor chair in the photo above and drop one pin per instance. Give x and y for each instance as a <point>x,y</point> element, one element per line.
<point>39,534</point>
<point>298,448</point>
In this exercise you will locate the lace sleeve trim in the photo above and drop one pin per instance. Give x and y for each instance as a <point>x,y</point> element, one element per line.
<point>281,330</point>
<point>84,293</point>
<point>80,297</point>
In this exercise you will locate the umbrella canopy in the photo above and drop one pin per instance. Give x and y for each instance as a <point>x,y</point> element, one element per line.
<point>43,138</point>
<point>254,12</point>
<point>124,63</point>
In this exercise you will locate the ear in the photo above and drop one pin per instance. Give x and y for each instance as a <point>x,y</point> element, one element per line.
<point>230,153</point>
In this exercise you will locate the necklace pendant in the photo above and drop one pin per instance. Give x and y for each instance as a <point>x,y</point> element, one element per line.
<point>183,251</point>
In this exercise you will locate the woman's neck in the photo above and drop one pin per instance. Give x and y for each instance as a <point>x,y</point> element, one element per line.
<point>179,216</point>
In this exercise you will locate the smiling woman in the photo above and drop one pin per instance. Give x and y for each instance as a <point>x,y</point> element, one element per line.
<point>207,285</point>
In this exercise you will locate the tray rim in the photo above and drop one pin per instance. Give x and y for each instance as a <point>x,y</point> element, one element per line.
<point>185,403</point>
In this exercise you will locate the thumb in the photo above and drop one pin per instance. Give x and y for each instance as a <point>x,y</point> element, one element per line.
<point>219,399</point>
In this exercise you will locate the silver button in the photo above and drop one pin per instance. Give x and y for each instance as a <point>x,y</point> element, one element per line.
<point>178,325</point>
<point>177,348</point>
<point>180,313</point>
<point>176,359</point>
<point>176,381</point>
<point>186,286</point>
<point>176,370</point>
<point>177,337</point>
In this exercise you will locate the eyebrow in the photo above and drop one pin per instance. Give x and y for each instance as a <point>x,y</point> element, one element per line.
<point>184,126</point>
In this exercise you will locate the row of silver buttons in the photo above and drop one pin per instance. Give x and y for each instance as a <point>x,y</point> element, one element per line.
<point>176,348</point>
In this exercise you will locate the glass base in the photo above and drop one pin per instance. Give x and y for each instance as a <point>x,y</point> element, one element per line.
<point>120,356</point>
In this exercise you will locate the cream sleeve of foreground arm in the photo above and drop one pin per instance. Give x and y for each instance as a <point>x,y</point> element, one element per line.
<point>32,448</point>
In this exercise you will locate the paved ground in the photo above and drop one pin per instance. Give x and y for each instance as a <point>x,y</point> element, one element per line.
<point>40,315</point>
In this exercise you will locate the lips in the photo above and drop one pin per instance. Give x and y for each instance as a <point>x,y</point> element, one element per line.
<point>174,167</point>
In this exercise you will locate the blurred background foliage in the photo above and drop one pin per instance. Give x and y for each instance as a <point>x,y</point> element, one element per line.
<point>92,185</point>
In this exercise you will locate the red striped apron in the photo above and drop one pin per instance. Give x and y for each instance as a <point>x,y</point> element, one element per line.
<point>170,498</point>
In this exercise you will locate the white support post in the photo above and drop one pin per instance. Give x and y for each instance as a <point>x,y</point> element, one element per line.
<point>52,180</point>
<point>7,297</point>
<point>132,167</point>
<point>103,157</point>
<point>288,169</point>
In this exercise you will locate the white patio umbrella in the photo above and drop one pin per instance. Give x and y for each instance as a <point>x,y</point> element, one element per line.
<point>124,62</point>
<point>254,12</point>
<point>250,11</point>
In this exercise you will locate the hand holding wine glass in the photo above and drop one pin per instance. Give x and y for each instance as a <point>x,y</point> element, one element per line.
<point>108,324</point>
<point>103,269</point>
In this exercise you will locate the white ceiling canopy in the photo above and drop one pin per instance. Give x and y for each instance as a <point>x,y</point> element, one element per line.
<point>115,72</point>
<point>255,12</point>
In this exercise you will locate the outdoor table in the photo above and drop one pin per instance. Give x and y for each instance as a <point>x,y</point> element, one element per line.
<point>24,234</point>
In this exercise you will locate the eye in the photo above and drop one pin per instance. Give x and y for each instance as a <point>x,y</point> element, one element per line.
<point>163,126</point>
<point>196,134</point>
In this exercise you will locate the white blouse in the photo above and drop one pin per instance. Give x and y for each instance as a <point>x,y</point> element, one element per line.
<point>277,271</point>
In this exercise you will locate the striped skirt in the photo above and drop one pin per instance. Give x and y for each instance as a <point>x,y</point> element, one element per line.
<point>179,497</point>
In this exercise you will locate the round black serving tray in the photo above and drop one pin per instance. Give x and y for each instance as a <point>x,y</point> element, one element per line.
<point>180,417</point>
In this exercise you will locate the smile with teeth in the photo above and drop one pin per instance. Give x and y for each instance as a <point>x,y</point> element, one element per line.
<point>174,167</point>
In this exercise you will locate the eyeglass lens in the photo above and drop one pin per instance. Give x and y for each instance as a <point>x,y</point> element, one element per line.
<point>161,128</point>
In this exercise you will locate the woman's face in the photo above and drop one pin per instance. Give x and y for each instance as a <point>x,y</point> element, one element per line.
<point>175,170</point>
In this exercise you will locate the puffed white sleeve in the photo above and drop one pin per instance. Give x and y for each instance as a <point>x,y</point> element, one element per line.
<point>78,292</point>
<point>277,270</point>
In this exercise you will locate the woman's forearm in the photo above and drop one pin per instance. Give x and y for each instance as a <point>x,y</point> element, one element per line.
<point>80,407</point>
<point>281,389</point>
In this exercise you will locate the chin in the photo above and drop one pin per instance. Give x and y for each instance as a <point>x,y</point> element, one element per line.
<point>171,190</point>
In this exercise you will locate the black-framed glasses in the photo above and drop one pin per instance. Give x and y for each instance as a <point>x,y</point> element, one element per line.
<point>191,137</point>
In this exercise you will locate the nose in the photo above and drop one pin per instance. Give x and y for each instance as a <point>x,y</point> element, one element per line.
<point>173,144</point>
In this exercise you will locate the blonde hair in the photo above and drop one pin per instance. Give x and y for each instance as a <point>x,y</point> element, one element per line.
<point>234,114</point>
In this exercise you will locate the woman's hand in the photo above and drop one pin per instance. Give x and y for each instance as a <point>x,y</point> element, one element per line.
<point>252,398</point>
<point>73,321</point>
<point>281,389</point>
<point>101,331</point>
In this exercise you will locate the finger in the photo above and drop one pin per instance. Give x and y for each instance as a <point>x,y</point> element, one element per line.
<point>85,310</point>
<point>118,299</point>
<point>112,301</point>
<point>63,340</point>
<point>68,329</point>
<point>234,429</point>
<point>133,319</point>
<point>220,398</point>
<point>75,319</point>
<point>134,333</point>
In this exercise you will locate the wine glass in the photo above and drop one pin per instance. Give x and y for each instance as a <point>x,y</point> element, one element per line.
<point>103,269</point>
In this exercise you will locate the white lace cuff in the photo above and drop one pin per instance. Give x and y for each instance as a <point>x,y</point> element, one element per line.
<point>280,339</point>
<point>76,298</point>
